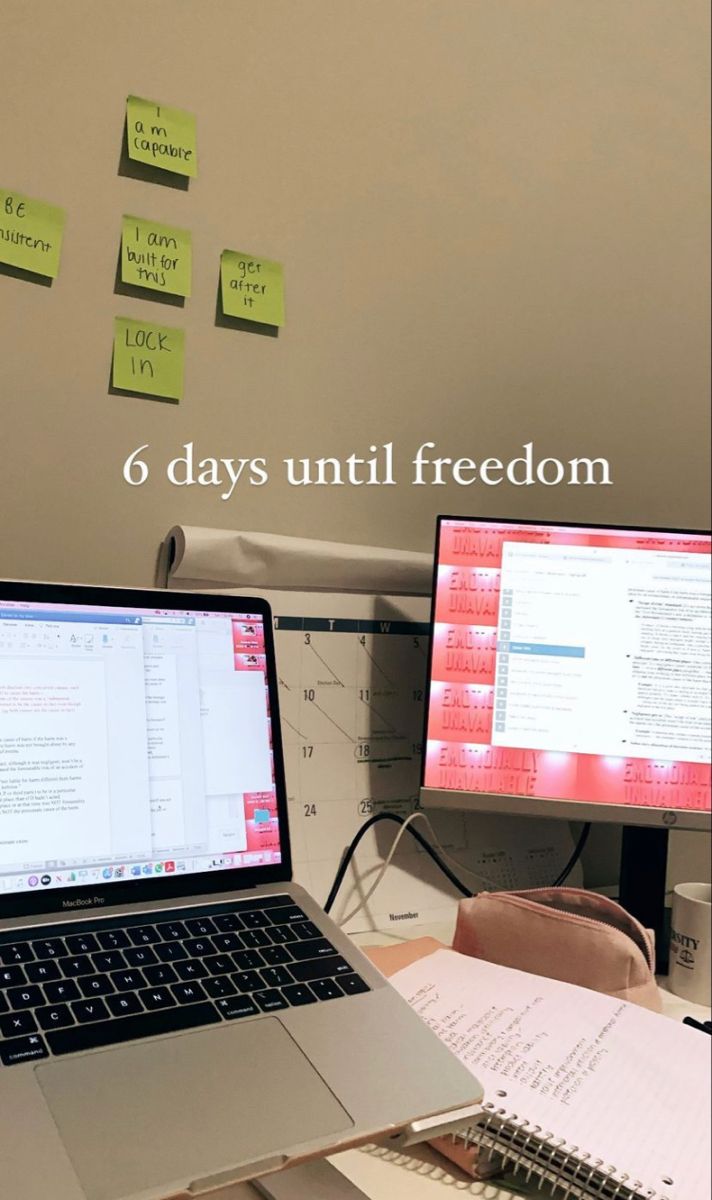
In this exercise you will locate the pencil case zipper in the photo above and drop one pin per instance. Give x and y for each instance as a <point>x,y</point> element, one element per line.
<point>644,942</point>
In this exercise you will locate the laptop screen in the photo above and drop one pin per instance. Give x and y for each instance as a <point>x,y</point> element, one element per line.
<point>135,743</point>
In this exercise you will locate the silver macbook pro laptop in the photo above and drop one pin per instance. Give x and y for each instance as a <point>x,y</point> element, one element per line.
<point>175,1014</point>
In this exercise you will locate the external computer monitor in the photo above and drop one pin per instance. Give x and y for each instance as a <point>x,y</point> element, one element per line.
<point>569,676</point>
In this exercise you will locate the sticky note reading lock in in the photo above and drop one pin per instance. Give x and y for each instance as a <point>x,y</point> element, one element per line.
<point>156,256</point>
<point>252,288</point>
<point>30,233</point>
<point>164,137</point>
<point>148,358</point>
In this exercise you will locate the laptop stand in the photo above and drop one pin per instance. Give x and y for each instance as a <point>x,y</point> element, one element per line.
<point>316,1180</point>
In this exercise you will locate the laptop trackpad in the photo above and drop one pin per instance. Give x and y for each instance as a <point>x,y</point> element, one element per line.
<point>186,1107</point>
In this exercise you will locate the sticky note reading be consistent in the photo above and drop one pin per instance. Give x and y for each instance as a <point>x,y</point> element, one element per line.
<point>148,358</point>
<point>30,233</point>
<point>156,256</point>
<point>252,288</point>
<point>163,137</point>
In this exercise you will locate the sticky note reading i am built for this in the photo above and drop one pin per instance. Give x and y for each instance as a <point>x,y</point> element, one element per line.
<point>148,358</point>
<point>252,288</point>
<point>30,233</point>
<point>164,137</point>
<point>156,256</point>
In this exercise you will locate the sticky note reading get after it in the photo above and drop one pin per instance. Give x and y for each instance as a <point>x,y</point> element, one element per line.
<point>30,233</point>
<point>163,137</point>
<point>252,288</point>
<point>148,358</point>
<point>156,256</point>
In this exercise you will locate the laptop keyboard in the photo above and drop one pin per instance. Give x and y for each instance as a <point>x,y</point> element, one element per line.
<point>113,981</point>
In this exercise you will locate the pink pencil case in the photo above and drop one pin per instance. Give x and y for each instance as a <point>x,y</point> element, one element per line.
<point>563,933</point>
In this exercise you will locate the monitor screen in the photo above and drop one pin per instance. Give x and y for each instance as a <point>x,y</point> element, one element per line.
<point>135,743</point>
<point>570,665</point>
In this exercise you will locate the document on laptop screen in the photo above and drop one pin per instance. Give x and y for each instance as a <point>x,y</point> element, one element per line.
<point>73,737</point>
<point>133,742</point>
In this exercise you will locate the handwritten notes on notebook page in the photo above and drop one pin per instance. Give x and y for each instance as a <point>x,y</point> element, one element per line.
<point>615,1081</point>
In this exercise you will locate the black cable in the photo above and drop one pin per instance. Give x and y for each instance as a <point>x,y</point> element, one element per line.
<point>388,816</point>
<point>563,875</point>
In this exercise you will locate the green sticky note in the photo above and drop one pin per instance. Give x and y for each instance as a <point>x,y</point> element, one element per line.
<point>156,256</point>
<point>148,358</point>
<point>252,287</point>
<point>30,233</point>
<point>163,137</point>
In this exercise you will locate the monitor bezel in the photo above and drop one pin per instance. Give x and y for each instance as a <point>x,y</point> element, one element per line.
<point>164,887</point>
<point>525,806</point>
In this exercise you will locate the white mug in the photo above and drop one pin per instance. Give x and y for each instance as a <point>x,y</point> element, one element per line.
<point>690,936</point>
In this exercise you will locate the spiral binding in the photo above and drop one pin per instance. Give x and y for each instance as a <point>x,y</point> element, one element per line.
<point>566,1169</point>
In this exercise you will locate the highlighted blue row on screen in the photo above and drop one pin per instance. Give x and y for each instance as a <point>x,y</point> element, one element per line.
<point>541,648</point>
<point>88,618</point>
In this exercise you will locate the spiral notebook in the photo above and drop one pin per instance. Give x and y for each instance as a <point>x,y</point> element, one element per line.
<point>585,1093</point>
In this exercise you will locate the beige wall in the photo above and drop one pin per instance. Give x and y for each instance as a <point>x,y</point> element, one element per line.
<point>492,215</point>
<point>493,220</point>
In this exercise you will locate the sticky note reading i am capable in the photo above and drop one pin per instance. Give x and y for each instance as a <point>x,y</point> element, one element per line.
<point>148,358</point>
<point>164,137</point>
<point>252,288</point>
<point>156,256</point>
<point>30,233</point>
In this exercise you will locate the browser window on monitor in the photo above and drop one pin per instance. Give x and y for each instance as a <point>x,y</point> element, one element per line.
<point>570,663</point>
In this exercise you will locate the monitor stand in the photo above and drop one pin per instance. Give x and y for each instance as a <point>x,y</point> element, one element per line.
<point>642,883</point>
<point>316,1180</point>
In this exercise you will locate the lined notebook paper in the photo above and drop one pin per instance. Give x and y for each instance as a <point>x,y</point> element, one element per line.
<point>610,1082</point>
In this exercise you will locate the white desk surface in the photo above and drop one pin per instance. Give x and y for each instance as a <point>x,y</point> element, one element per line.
<point>419,1173</point>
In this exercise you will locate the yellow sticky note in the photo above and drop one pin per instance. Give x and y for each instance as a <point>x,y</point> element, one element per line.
<point>148,358</point>
<point>164,137</point>
<point>156,256</point>
<point>252,287</point>
<point>30,233</point>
